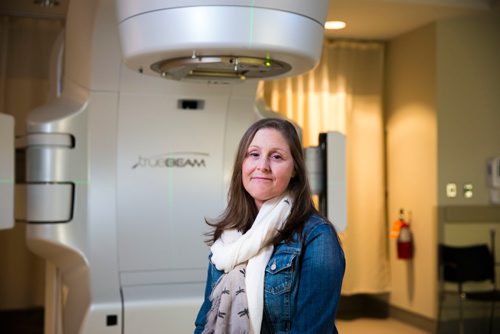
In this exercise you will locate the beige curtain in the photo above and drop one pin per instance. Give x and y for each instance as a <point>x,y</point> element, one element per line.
<point>344,93</point>
<point>25,48</point>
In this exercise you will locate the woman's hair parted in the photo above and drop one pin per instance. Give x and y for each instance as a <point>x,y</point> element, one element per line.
<point>241,210</point>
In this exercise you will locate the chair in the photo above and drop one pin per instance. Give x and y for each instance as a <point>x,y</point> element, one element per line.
<point>465,264</point>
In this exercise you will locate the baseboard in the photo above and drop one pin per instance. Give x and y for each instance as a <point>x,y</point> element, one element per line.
<point>361,305</point>
<point>416,320</point>
<point>25,321</point>
<point>369,306</point>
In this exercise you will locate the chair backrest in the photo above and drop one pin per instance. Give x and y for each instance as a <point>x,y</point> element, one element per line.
<point>467,263</point>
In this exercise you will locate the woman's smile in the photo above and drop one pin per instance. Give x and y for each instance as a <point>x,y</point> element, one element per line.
<point>261,178</point>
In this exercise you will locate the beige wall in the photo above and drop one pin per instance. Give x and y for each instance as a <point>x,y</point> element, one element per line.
<point>468,77</point>
<point>412,164</point>
<point>442,122</point>
<point>469,121</point>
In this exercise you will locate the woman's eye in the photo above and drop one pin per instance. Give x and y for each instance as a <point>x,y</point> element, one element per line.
<point>253,154</point>
<point>276,157</point>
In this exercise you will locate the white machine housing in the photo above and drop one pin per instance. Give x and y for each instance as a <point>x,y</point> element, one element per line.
<point>285,35</point>
<point>123,168</point>
<point>327,172</point>
<point>6,171</point>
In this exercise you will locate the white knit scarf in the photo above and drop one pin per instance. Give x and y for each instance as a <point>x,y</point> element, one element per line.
<point>234,248</point>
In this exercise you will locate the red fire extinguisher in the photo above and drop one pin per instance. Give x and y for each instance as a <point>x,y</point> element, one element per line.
<point>404,238</point>
<point>405,242</point>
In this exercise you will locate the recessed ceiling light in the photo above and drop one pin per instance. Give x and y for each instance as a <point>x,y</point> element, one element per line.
<point>46,3</point>
<point>334,25</point>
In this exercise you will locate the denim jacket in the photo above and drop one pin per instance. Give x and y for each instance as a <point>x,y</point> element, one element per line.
<point>302,283</point>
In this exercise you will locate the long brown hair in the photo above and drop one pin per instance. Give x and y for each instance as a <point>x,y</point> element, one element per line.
<point>241,210</point>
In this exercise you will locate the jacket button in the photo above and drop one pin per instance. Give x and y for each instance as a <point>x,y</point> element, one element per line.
<point>273,266</point>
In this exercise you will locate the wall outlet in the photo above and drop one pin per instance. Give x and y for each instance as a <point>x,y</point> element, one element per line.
<point>451,190</point>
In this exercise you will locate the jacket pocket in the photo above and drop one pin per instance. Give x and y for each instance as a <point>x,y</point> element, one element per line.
<point>280,272</point>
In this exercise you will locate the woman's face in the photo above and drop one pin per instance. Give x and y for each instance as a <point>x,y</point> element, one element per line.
<point>268,166</point>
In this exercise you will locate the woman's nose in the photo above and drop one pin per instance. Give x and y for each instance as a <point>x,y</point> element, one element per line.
<point>263,164</point>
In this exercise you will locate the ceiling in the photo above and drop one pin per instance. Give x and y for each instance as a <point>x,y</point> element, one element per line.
<point>386,19</point>
<point>366,19</point>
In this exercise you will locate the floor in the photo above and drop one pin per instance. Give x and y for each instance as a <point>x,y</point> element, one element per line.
<point>376,326</point>
<point>31,322</point>
<point>364,314</point>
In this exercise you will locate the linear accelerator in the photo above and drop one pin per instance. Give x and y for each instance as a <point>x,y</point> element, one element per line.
<point>138,145</point>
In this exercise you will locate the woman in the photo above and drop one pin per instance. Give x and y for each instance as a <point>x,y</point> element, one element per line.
<point>276,265</point>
